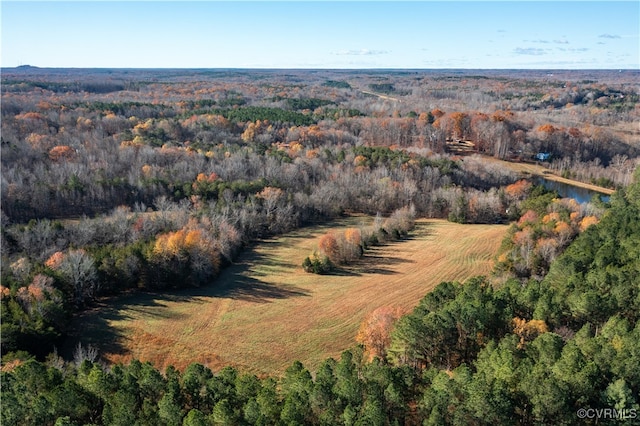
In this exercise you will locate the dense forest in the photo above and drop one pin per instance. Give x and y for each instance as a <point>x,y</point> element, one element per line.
<point>123,180</point>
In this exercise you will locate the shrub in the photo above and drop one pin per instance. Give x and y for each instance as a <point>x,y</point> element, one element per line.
<point>317,264</point>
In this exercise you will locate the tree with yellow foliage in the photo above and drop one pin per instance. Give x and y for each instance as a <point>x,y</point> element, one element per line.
<point>587,221</point>
<point>528,330</point>
<point>188,252</point>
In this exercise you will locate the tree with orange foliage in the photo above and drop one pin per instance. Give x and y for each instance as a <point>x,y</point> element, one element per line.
<point>461,125</point>
<point>32,298</point>
<point>528,217</point>
<point>351,245</point>
<point>551,218</point>
<point>375,331</point>
<point>564,231</point>
<point>437,113</point>
<point>146,170</point>
<point>574,132</point>
<point>54,261</point>
<point>5,292</point>
<point>519,189</point>
<point>547,129</point>
<point>587,221</point>
<point>61,152</point>
<point>170,244</point>
<point>29,122</point>
<point>456,125</point>
<point>328,245</point>
<point>552,135</point>
<point>426,117</point>
<point>360,161</point>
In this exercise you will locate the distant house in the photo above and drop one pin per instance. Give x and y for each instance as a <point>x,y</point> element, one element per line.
<point>543,156</point>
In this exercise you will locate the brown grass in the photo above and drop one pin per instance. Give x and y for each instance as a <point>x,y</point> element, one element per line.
<point>265,312</point>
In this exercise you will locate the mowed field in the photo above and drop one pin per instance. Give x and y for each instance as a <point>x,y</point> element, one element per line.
<point>264,312</point>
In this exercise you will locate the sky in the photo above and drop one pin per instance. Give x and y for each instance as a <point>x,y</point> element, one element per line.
<point>322,34</point>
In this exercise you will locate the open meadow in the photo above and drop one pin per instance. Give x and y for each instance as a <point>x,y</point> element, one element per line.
<point>264,312</point>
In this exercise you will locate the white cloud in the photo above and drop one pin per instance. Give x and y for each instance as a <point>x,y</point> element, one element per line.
<point>609,36</point>
<point>533,51</point>
<point>361,52</point>
<point>573,49</point>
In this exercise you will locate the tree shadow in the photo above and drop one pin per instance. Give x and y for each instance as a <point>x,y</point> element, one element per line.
<point>420,230</point>
<point>374,264</point>
<point>343,271</point>
<point>238,281</point>
<point>256,291</point>
<point>371,263</point>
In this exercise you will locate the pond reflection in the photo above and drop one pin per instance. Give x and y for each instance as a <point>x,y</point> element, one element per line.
<point>581,195</point>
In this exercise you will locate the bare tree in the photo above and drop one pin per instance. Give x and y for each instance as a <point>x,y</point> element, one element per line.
<point>79,268</point>
<point>84,353</point>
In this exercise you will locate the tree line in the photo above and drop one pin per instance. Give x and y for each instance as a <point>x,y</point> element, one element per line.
<point>336,249</point>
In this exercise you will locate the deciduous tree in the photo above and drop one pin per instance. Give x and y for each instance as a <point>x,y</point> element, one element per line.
<point>375,330</point>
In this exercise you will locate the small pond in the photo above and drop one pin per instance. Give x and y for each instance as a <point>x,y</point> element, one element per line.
<point>581,195</point>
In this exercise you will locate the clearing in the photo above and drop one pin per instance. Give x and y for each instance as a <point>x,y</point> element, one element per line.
<point>264,312</point>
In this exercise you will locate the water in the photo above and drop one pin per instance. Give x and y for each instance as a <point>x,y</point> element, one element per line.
<point>581,195</point>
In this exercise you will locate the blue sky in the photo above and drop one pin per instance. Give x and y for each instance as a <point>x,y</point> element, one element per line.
<point>324,34</point>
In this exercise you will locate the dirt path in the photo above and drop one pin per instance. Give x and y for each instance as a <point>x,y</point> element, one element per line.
<point>379,95</point>
<point>368,92</point>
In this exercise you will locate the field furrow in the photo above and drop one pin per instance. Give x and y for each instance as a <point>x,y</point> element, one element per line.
<point>265,312</point>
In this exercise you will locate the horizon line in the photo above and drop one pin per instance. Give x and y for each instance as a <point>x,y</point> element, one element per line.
<point>35,67</point>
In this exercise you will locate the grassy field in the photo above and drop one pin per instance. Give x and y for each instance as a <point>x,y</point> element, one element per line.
<point>265,312</point>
